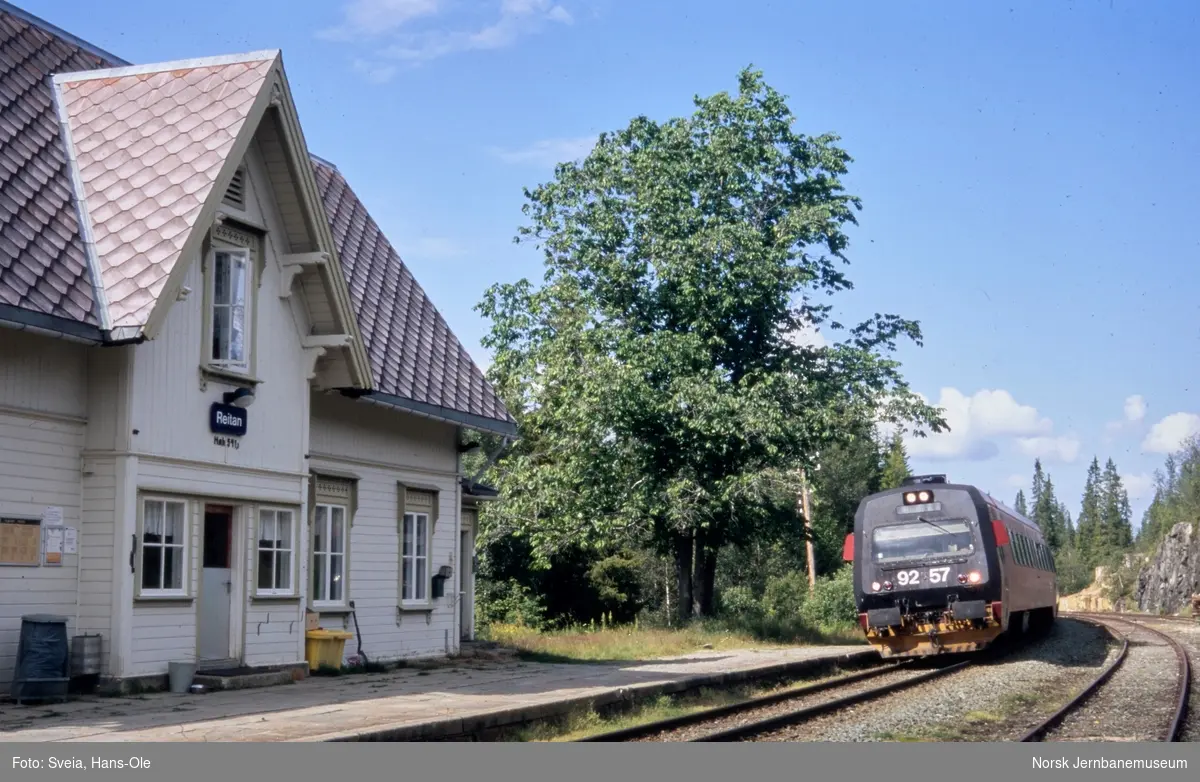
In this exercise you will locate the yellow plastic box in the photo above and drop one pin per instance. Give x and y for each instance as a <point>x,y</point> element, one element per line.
<point>325,647</point>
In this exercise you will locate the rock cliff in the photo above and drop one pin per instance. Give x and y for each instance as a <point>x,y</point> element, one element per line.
<point>1172,575</point>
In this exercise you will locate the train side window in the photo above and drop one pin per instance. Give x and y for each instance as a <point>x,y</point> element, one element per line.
<point>1019,548</point>
<point>1042,557</point>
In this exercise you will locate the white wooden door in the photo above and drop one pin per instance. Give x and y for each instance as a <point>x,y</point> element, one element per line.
<point>466,577</point>
<point>215,585</point>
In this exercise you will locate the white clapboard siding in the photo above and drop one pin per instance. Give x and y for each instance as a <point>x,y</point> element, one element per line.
<point>39,467</point>
<point>97,539</point>
<point>385,449</point>
<point>170,410</point>
<point>39,374</point>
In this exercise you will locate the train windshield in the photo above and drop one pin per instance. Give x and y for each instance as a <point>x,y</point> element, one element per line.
<point>918,540</point>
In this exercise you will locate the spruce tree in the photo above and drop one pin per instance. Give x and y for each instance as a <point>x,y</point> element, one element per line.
<point>1047,514</point>
<point>1039,483</point>
<point>1020,506</point>
<point>1116,531</point>
<point>1067,526</point>
<point>1088,530</point>
<point>895,464</point>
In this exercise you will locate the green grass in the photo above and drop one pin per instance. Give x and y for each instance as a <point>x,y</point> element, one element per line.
<point>583,724</point>
<point>610,644</point>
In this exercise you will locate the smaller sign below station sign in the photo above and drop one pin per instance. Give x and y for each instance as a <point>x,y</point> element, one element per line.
<point>227,420</point>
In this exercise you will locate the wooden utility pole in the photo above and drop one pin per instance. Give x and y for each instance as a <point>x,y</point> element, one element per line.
<point>808,531</point>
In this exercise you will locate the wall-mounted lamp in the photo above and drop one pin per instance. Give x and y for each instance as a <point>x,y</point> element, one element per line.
<point>439,581</point>
<point>239,397</point>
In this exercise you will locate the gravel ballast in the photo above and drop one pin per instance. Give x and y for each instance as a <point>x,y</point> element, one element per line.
<point>1137,703</point>
<point>1188,635</point>
<point>1031,681</point>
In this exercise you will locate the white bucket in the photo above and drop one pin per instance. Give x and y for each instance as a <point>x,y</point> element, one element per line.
<point>180,676</point>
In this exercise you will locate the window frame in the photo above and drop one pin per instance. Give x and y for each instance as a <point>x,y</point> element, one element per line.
<point>226,239</point>
<point>185,578</point>
<point>293,551</point>
<point>426,584</point>
<point>343,601</point>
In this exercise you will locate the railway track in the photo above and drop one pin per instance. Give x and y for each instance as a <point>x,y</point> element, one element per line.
<point>1183,687</point>
<point>737,721</point>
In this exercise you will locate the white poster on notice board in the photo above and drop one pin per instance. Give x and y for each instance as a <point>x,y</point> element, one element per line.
<point>52,517</point>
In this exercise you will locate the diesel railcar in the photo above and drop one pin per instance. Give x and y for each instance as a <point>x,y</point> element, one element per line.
<point>942,567</point>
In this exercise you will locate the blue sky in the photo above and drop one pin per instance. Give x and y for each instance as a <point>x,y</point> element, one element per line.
<point>1030,173</point>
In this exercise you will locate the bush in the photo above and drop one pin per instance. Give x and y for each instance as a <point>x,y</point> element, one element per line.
<point>617,581</point>
<point>739,601</point>
<point>832,601</point>
<point>509,603</point>
<point>785,595</point>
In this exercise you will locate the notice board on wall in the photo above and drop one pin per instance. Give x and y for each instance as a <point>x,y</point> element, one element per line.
<point>20,541</point>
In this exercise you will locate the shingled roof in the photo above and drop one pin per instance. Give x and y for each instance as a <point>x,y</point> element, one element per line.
<point>46,283</point>
<point>43,265</point>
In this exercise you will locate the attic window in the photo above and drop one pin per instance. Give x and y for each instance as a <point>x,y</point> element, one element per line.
<point>235,196</point>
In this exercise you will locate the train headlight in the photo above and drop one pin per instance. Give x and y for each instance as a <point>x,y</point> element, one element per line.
<point>887,585</point>
<point>962,578</point>
<point>911,497</point>
<point>874,586</point>
<point>923,496</point>
<point>920,497</point>
<point>973,577</point>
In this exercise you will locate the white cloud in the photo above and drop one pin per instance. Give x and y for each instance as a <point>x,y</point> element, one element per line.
<point>376,73</point>
<point>549,152</point>
<point>372,18</point>
<point>1061,449</point>
<point>1134,413</point>
<point>1135,408</point>
<point>974,420</point>
<point>437,248</point>
<point>1139,486</point>
<point>1168,435</point>
<point>518,18</point>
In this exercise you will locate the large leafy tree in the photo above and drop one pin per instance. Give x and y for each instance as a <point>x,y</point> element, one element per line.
<point>657,373</point>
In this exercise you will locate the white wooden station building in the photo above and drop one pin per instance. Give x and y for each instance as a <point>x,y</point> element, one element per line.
<point>225,402</point>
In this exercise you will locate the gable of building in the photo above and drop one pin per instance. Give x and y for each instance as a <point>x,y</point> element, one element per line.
<point>404,354</point>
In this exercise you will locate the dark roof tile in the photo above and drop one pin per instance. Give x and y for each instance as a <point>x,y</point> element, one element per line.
<point>44,268</point>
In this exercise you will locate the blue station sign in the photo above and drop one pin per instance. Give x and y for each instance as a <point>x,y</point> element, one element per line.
<point>227,419</point>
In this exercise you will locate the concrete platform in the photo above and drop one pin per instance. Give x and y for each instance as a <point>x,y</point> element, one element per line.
<point>460,698</point>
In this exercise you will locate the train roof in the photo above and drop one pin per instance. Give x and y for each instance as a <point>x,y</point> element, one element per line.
<point>913,481</point>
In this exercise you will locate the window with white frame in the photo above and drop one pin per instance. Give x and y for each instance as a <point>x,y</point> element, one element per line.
<point>163,548</point>
<point>414,558</point>
<point>329,554</point>
<point>229,296</point>
<point>276,550</point>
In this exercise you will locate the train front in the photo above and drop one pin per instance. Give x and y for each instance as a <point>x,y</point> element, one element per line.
<point>926,577</point>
